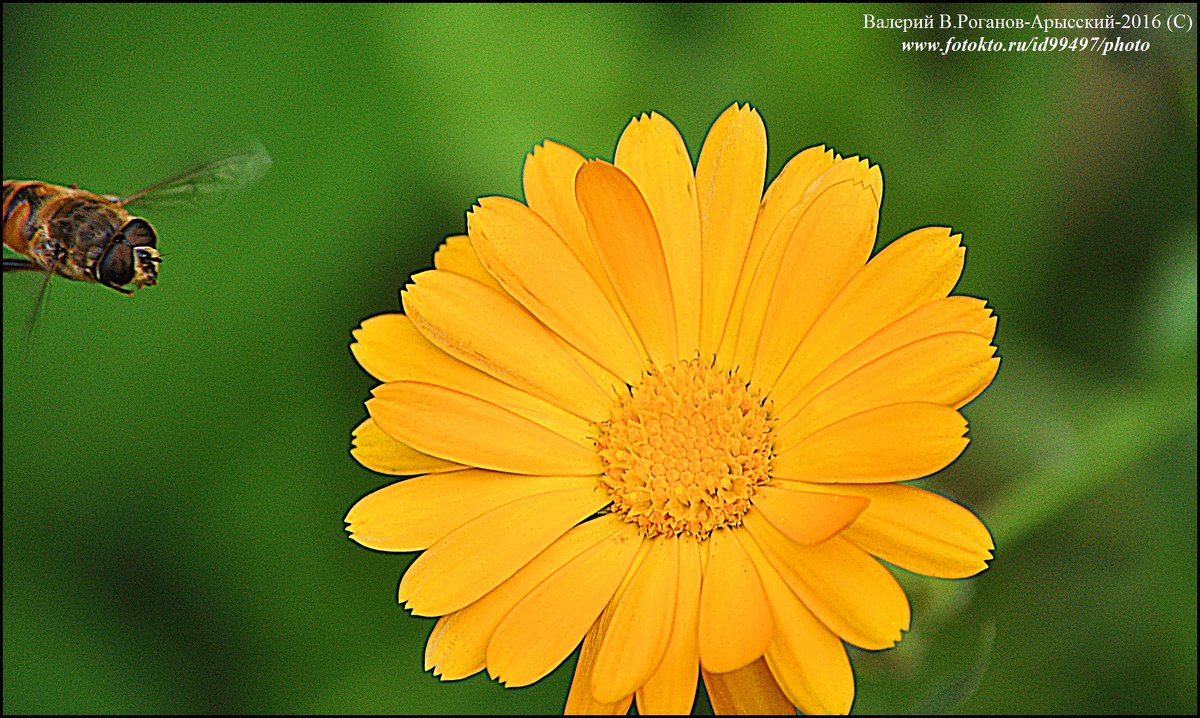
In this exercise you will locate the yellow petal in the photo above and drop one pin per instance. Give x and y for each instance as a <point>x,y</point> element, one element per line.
<point>840,583</point>
<point>441,652</point>
<point>729,185</point>
<point>456,255</point>
<point>921,266</point>
<point>654,156</point>
<point>836,232</point>
<point>891,443</point>
<point>735,622</point>
<point>379,452</point>
<point>637,636</point>
<point>623,231</point>
<point>672,688</point>
<point>917,530</point>
<point>747,691</point>
<point>806,658</point>
<point>581,699</point>
<point>415,514</point>
<point>533,264</point>
<point>544,627</point>
<point>491,332</point>
<point>781,205</point>
<point>550,192</point>
<point>392,349</point>
<point>381,346</point>
<point>470,431</point>
<point>781,220</point>
<point>806,517</point>
<point>788,189</point>
<point>948,314</point>
<point>612,385</point>
<point>458,646</point>
<point>944,369</point>
<point>470,561</point>
<point>549,179</point>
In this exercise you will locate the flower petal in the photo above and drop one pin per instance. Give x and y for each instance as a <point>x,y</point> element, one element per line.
<point>836,232</point>
<point>672,688</point>
<point>491,332</point>
<point>730,175</point>
<point>777,215</point>
<point>735,622</point>
<point>413,515</point>
<point>810,662</point>
<point>468,562</point>
<point>806,658</point>
<point>550,192</point>
<point>581,699</point>
<point>653,154</point>
<point>546,625</point>
<point>623,231</point>
<point>886,444</point>
<point>549,179</point>
<point>458,646</point>
<point>379,452</point>
<point>456,255</point>
<point>852,594</point>
<point>470,431</point>
<point>917,530</point>
<point>637,636</point>
<point>943,369</point>
<point>921,266</point>
<point>788,189</point>
<point>441,653</point>
<point>941,316</point>
<point>751,690</point>
<point>380,345</point>
<point>612,385</point>
<point>533,265</point>
<point>807,517</point>
<point>392,349</point>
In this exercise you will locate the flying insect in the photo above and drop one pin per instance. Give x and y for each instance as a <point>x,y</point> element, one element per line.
<point>90,237</point>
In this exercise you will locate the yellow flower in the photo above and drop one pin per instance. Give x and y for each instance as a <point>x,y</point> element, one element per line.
<point>666,415</point>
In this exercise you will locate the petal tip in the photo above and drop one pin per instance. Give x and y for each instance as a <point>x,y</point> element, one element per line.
<point>543,146</point>
<point>357,537</point>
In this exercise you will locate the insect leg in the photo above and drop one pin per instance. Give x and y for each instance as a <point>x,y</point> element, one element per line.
<point>13,264</point>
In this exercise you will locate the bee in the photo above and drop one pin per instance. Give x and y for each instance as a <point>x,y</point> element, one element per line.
<point>89,237</point>
<point>79,235</point>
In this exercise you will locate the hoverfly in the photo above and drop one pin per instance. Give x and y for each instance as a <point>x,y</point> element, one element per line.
<point>91,237</point>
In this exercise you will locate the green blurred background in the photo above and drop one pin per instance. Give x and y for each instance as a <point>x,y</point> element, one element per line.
<point>176,466</point>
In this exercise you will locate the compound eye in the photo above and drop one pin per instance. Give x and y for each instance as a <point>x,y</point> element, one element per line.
<point>139,233</point>
<point>116,266</point>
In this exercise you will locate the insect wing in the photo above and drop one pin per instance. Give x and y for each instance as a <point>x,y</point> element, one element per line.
<point>42,295</point>
<point>20,264</point>
<point>206,186</point>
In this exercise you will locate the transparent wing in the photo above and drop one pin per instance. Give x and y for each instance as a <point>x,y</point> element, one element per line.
<point>22,264</point>
<point>206,186</point>
<point>41,301</point>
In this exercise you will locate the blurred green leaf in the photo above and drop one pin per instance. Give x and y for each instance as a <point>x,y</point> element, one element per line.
<point>954,690</point>
<point>1099,447</point>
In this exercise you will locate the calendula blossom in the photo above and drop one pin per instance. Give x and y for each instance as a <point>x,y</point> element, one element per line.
<point>659,412</point>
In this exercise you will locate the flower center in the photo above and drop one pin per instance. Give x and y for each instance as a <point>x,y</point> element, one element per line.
<point>685,451</point>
